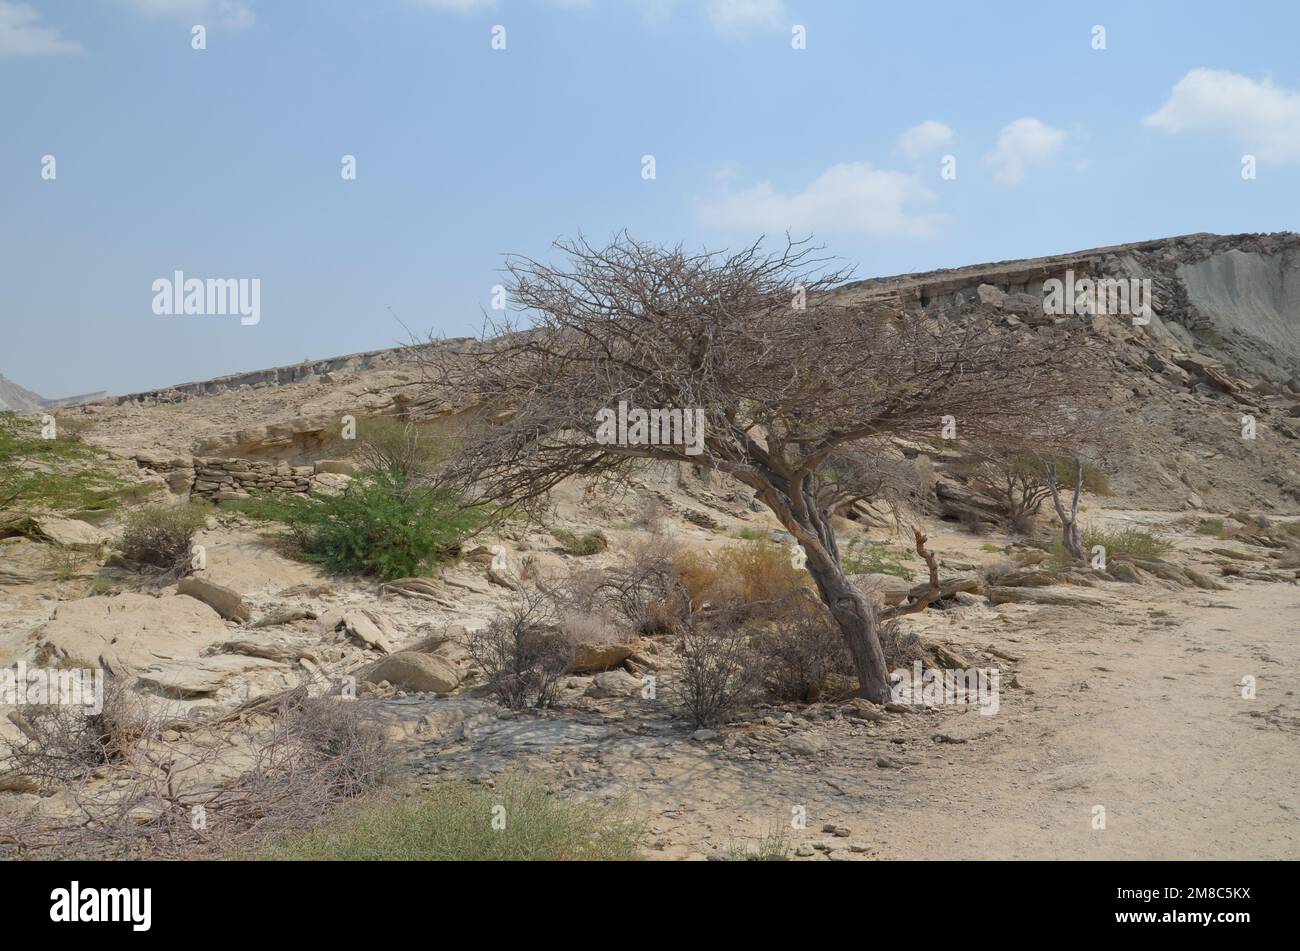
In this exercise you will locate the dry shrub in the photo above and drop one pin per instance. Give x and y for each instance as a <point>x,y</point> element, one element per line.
<point>752,576</point>
<point>60,744</point>
<point>901,646</point>
<point>160,537</point>
<point>717,672</point>
<point>523,652</point>
<point>285,768</point>
<point>802,656</point>
<point>643,595</point>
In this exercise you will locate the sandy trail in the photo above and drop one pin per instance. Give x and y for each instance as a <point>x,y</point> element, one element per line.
<point>1137,708</point>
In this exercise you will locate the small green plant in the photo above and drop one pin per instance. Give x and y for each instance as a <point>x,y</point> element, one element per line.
<point>380,525</point>
<point>1213,527</point>
<point>160,537</point>
<point>1137,542</point>
<point>459,822</point>
<point>751,534</point>
<point>589,543</point>
<point>990,547</point>
<point>772,846</point>
<point>864,557</point>
<point>55,475</point>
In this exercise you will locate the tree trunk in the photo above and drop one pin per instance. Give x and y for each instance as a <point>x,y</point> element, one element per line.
<point>857,622</point>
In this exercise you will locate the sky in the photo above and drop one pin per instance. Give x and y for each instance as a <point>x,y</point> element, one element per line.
<point>903,137</point>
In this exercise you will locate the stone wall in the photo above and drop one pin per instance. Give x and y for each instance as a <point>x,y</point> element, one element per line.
<point>219,479</point>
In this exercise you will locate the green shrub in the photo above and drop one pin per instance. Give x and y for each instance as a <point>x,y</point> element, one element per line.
<point>773,846</point>
<point>1212,526</point>
<point>55,475</point>
<point>454,822</point>
<point>161,537</point>
<point>590,543</point>
<point>379,525</point>
<point>1126,541</point>
<point>412,451</point>
<point>864,557</point>
<point>751,534</point>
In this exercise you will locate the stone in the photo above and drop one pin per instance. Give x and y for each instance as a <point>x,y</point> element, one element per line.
<point>225,601</point>
<point>69,532</point>
<point>366,628</point>
<point>613,683</point>
<point>806,744</point>
<point>419,673</point>
<point>590,657</point>
<point>130,632</point>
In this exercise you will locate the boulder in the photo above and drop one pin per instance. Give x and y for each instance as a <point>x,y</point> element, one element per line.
<point>69,532</point>
<point>368,629</point>
<point>225,601</point>
<point>130,633</point>
<point>589,657</point>
<point>613,683</point>
<point>418,673</point>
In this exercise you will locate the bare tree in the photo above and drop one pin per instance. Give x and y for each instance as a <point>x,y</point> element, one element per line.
<point>1073,534</point>
<point>781,372</point>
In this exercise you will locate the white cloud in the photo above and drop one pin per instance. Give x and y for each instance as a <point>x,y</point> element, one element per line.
<point>1023,143</point>
<point>1262,117</point>
<point>235,14</point>
<point>925,139</point>
<point>21,33</point>
<point>730,16</point>
<point>849,198</point>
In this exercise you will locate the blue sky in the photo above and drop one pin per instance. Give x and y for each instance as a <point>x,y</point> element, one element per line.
<point>225,162</point>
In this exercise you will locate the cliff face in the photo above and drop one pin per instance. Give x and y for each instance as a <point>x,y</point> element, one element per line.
<point>1228,298</point>
<point>16,398</point>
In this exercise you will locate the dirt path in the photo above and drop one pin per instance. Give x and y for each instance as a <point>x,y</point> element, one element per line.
<point>1144,717</point>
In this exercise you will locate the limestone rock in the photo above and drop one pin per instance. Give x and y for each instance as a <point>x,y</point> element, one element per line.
<point>225,601</point>
<point>130,632</point>
<point>419,673</point>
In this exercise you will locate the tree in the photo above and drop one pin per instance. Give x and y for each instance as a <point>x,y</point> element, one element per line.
<point>751,363</point>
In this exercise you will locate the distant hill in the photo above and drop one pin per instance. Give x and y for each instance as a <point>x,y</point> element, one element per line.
<point>19,399</point>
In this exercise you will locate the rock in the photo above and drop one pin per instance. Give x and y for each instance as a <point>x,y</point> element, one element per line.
<point>419,673</point>
<point>365,627</point>
<point>201,676</point>
<point>988,294</point>
<point>286,616</point>
<point>613,683</point>
<point>866,710</point>
<point>804,851</point>
<point>69,532</point>
<point>591,657</point>
<point>704,736</point>
<point>226,602</point>
<point>130,632</point>
<point>336,467</point>
<point>806,744</point>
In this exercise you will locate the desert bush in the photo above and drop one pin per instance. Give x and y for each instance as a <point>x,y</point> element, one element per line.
<point>901,646</point>
<point>64,563</point>
<point>379,525</point>
<point>1212,526</point>
<point>411,451</point>
<point>522,652</point>
<point>454,821</point>
<point>802,656</point>
<point>588,543</point>
<point>644,594</point>
<point>161,537</point>
<point>773,846</point>
<point>717,671</point>
<point>59,744</point>
<point>753,574</point>
<point>290,764</point>
<point>1127,541</point>
<point>862,556</point>
<point>60,475</point>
